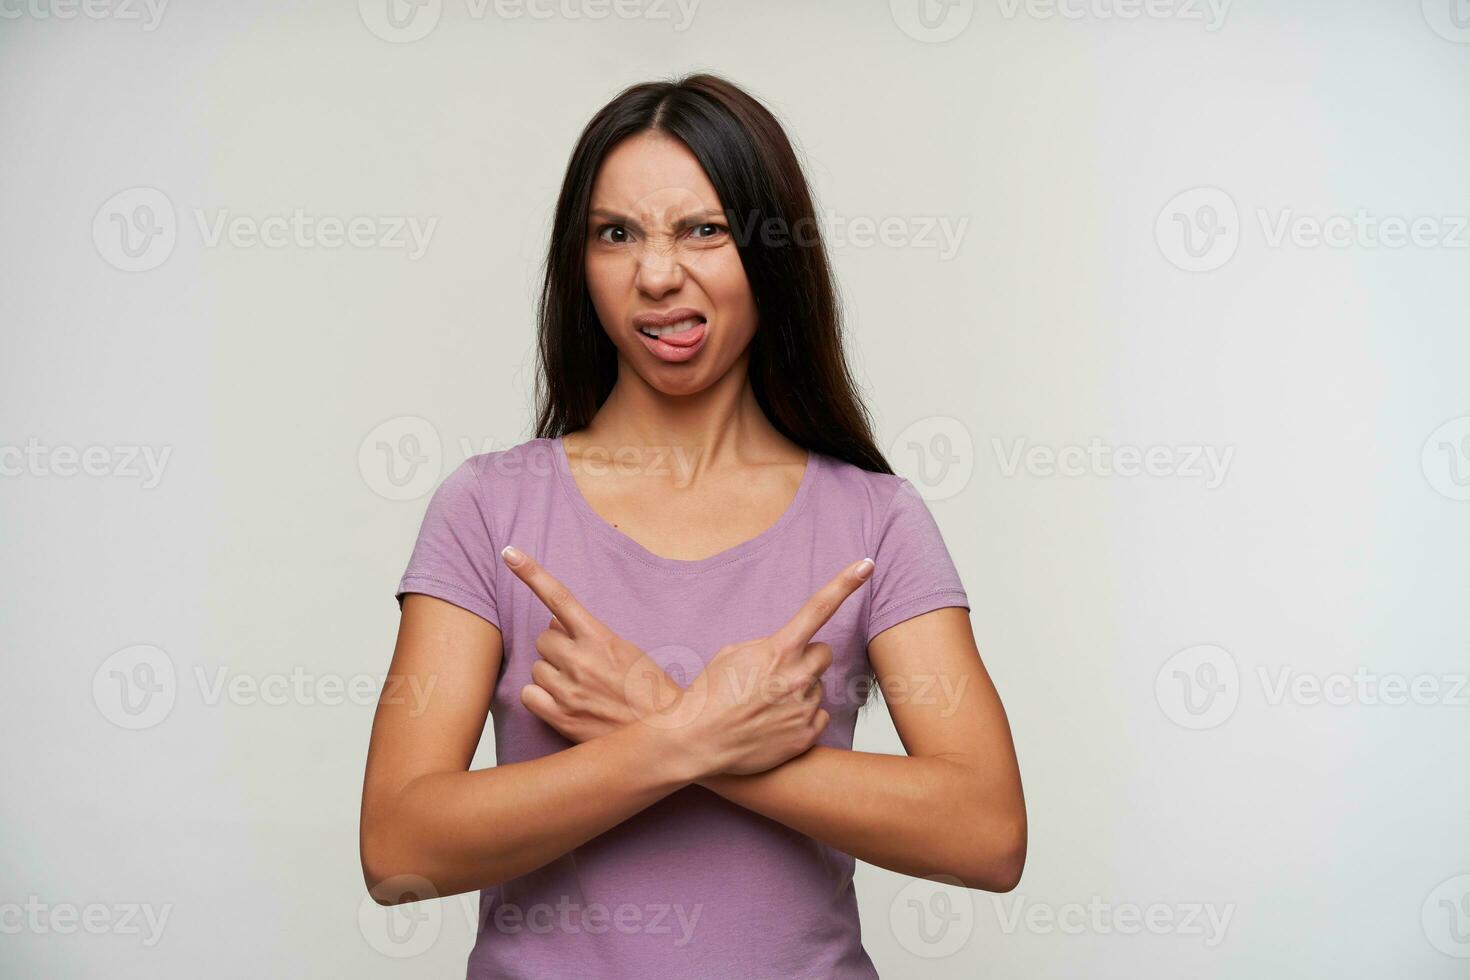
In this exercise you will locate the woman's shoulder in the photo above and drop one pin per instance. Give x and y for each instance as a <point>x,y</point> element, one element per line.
<point>501,479</point>
<point>534,458</point>
<point>849,483</point>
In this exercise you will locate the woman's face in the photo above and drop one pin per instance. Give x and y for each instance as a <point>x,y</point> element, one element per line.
<point>658,242</point>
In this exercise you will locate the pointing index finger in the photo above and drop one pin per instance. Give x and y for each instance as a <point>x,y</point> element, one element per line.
<point>557,597</point>
<point>815,612</point>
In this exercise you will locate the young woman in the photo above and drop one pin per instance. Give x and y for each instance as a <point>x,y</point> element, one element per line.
<point>672,600</point>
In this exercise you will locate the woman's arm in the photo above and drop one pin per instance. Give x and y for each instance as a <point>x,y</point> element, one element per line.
<point>952,806</point>
<point>425,816</point>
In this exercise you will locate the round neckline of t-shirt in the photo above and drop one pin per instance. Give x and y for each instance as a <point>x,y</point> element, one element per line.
<point>633,549</point>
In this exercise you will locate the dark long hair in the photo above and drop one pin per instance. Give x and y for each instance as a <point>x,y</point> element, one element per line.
<point>798,369</point>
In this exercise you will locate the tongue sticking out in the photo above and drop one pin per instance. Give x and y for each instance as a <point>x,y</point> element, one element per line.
<point>687,337</point>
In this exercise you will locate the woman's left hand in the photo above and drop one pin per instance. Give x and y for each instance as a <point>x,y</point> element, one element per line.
<point>589,681</point>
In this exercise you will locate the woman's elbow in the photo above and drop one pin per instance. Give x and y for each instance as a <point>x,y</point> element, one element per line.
<point>398,868</point>
<point>391,876</point>
<point>1001,860</point>
<point>378,877</point>
<point>389,888</point>
<point>1009,868</point>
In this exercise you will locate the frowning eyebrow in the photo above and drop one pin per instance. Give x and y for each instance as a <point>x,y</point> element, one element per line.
<point>686,221</point>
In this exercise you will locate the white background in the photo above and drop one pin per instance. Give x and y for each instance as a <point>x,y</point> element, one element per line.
<point>1328,837</point>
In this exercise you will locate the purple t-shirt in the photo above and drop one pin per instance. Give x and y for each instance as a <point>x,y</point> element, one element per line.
<point>694,885</point>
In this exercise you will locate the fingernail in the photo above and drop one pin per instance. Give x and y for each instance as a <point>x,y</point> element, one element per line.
<point>512,555</point>
<point>865,568</point>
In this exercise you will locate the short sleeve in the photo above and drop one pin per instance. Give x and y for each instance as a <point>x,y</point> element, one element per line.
<point>913,572</point>
<point>454,558</point>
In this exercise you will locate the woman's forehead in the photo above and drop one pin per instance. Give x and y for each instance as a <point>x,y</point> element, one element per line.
<point>651,176</point>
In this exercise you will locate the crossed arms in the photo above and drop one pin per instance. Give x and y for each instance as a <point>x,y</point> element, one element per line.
<point>430,827</point>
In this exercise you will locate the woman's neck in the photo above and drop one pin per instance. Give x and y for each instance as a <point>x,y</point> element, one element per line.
<point>718,427</point>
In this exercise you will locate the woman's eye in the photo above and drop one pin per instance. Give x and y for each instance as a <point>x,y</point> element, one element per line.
<point>713,230</point>
<point>602,233</point>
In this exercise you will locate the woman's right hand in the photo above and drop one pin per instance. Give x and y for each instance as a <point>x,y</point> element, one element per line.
<point>758,703</point>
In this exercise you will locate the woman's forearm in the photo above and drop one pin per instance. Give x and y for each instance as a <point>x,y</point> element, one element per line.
<point>917,815</point>
<point>462,831</point>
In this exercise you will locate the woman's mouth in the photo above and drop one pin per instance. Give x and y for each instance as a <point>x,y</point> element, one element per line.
<point>676,342</point>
